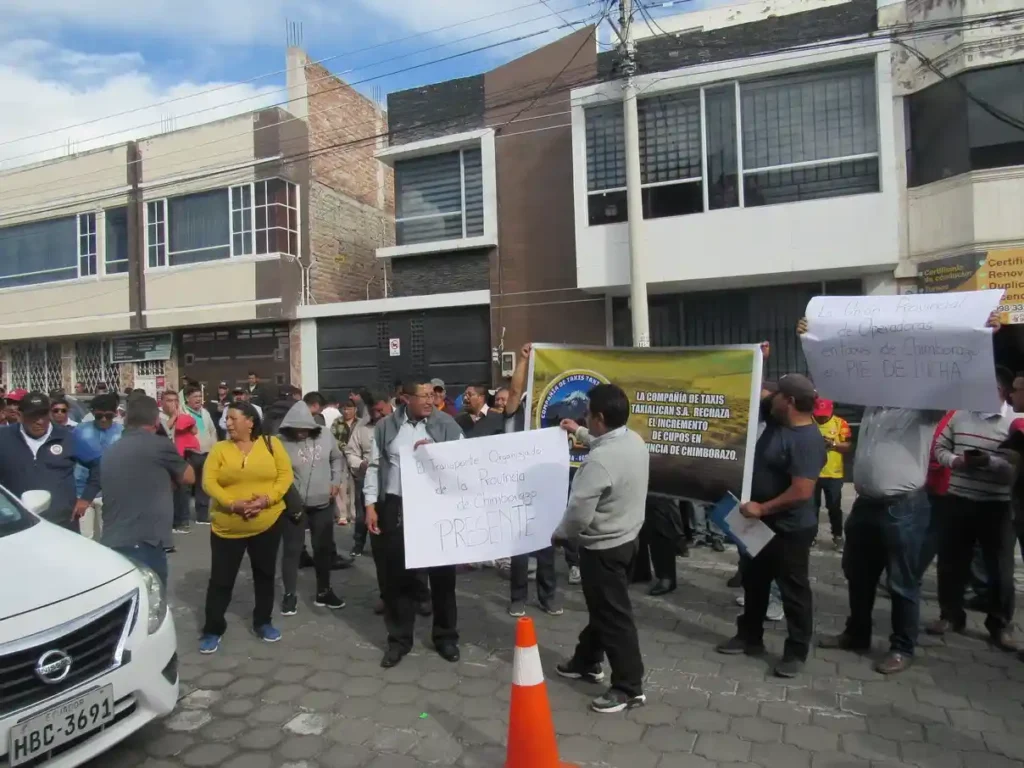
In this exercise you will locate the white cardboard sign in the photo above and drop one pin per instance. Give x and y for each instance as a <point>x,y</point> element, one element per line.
<point>928,351</point>
<point>469,501</point>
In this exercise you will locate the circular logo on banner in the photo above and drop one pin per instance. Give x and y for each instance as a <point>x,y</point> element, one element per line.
<point>56,449</point>
<point>566,398</point>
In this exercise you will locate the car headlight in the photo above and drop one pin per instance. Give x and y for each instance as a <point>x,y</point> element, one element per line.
<point>157,598</point>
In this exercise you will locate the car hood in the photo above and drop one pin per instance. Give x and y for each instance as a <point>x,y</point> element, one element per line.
<point>48,564</point>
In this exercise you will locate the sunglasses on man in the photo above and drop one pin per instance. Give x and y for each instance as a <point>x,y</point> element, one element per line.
<point>58,410</point>
<point>104,415</point>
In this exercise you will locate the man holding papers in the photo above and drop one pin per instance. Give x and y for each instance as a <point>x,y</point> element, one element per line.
<point>788,459</point>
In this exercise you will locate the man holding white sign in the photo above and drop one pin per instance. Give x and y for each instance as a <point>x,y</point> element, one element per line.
<point>413,424</point>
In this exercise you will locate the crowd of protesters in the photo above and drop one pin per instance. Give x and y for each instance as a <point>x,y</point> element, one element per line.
<point>263,472</point>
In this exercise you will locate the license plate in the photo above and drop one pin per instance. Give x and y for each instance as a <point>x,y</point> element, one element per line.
<point>60,724</point>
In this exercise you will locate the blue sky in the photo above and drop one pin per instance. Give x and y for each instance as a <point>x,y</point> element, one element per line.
<point>65,62</point>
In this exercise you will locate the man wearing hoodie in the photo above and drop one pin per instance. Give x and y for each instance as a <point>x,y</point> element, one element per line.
<point>604,515</point>
<point>317,464</point>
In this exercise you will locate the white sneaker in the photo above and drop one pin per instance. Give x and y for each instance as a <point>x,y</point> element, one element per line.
<point>574,575</point>
<point>741,600</point>
<point>775,611</point>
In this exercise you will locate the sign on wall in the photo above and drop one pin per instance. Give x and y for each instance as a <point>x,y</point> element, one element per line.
<point>395,347</point>
<point>137,349</point>
<point>1001,269</point>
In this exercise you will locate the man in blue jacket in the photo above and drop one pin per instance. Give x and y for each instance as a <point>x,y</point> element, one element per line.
<point>40,455</point>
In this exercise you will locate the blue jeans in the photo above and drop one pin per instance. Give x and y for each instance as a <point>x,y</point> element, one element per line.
<point>702,526</point>
<point>149,556</point>
<point>886,535</point>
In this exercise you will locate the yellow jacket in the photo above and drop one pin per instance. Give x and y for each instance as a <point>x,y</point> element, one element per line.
<point>230,476</point>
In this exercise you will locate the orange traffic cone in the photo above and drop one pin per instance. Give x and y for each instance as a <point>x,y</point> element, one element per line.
<point>531,731</point>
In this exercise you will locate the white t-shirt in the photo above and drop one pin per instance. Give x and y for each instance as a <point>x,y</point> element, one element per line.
<point>35,443</point>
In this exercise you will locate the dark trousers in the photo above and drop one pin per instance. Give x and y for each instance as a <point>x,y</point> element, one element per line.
<point>990,524</point>
<point>519,578</point>
<point>572,555</point>
<point>659,540</point>
<point>182,514</point>
<point>831,488</point>
<point>611,629</point>
<point>146,554</point>
<point>225,560</point>
<point>886,535</point>
<point>197,461</point>
<point>401,589</point>
<point>359,536</point>
<point>320,521</point>
<point>786,561</point>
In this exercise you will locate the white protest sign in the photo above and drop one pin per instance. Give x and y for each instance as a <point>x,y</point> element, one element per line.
<point>468,501</point>
<point>929,351</point>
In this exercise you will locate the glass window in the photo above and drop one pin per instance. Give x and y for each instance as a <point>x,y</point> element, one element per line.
<point>41,252</point>
<point>198,228</point>
<point>116,240</point>
<point>993,140</point>
<point>432,193</point>
<point>720,112</point>
<point>606,165</point>
<point>156,233</point>
<point>671,166</point>
<point>86,244</point>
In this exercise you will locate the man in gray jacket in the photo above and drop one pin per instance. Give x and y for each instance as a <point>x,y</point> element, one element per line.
<point>414,423</point>
<point>604,516</point>
<point>317,464</point>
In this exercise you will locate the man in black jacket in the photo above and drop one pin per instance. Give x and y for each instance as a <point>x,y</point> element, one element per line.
<point>37,455</point>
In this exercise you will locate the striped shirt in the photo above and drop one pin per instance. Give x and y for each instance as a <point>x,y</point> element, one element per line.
<point>983,432</point>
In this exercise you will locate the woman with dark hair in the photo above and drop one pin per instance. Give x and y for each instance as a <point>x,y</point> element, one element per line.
<point>246,477</point>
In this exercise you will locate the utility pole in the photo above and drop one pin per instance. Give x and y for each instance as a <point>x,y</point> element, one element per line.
<point>634,197</point>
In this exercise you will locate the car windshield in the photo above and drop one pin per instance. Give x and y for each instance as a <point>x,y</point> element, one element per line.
<point>12,517</point>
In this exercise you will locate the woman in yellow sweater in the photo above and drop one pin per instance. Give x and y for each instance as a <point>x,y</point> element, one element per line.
<point>246,477</point>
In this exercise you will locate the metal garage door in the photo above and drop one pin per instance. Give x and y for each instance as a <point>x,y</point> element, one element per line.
<point>449,344</point>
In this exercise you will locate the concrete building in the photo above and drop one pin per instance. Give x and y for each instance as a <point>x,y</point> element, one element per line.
<point>189,252</point>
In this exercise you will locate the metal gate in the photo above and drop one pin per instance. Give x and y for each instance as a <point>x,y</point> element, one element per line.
<point>376,351</point>
<point>212,355</point>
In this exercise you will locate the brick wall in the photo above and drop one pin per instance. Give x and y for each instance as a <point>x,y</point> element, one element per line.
<point>343,237</point>
<point>439,273</point>
<point>351,195</point>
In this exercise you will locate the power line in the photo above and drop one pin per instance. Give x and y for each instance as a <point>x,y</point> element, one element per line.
<point>519,38</point>
<point>256,78</point>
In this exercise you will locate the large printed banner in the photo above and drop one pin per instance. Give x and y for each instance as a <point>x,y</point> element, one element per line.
<point>915,351</point>
<point>696,408</point>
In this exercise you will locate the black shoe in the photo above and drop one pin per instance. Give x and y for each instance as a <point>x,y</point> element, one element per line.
<point>424,608</point>
<point>684,548</point>
<point>327,599</point>
<point>448,652</point>
<point>339,563</point>
<point>735,581</point>
<point>614,700</point>
<point>289,605</point>
<point>789,667</point>
<point>662,587</point>
<point>717,545</point>
<point>169,550</point>
<point>736,645</point>
<point>356,552</point>
<point>392,656</point>
<point>305,559</point>
<point>574,671</point>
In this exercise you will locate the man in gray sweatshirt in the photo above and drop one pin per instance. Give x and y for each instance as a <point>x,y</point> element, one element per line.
<point>317,464</point>
<point>604,516</point>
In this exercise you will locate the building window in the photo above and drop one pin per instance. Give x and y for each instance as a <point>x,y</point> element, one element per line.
<point>260,217</point>
<point>798,137</point>
<point>115,241</point>
<point>92,365</point>
<point>950,133</point>
<point>606,165</point>
<point>439,197</point>
<point>39,252</point>
<point>671,166</point>
<point>37,367</point>
<point>809,136</point>
<point>86,244</point>
<point>156,234</point>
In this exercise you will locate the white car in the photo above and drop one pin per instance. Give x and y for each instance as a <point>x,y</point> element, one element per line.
<point>88,653</point>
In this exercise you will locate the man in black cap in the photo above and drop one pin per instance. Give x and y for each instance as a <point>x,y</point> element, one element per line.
<point>22,468</point>
<point>241,395</point>
<point>788,459</point>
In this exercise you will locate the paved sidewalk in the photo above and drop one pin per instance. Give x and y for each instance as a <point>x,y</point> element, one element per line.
<point>319,699</point>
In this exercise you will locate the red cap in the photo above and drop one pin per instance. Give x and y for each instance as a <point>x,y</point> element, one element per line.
<point>17,395</point>
<point>822,407</point>
<point>1017,425</point>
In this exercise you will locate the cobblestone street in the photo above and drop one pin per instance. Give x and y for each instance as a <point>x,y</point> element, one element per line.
<point>319,699</point>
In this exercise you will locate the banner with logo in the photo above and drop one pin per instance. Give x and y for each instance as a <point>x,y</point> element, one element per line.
<point>996,269</point>
<point>696,407</point>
